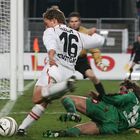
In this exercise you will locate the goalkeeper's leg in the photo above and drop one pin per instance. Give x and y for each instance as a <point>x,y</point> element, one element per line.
<point>70,107</point>
<point>89,128</point>
<point>72,104</point>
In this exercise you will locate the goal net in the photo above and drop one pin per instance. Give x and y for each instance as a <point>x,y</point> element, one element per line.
<point>8,49</point>
<point>4,48</point>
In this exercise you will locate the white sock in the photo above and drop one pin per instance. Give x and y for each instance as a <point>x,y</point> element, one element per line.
<point>34,115</point>
<point>55,90</point>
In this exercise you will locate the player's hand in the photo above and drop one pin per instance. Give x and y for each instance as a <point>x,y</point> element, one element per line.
<point>93,94</point>
<point>52,62</point>
<point>92,31</point>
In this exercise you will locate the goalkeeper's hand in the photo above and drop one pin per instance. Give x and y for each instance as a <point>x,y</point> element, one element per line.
<point>93,94</point>
<point>91,31</point>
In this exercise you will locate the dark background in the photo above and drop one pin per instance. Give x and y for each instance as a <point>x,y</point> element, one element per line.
<point>87,8</point>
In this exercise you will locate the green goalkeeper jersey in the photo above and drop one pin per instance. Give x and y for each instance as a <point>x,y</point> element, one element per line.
<point>128,110</point>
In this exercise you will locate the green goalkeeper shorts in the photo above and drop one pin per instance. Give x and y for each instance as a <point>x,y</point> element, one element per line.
<point>104,115</point>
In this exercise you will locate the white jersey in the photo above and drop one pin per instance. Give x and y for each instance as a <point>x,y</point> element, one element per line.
<point>68,43</point>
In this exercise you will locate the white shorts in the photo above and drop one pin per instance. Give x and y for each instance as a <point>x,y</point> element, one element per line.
<point>59,74</point>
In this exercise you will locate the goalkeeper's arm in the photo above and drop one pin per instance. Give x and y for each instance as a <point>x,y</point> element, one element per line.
<point>91,31</point>
<point>96,54</point>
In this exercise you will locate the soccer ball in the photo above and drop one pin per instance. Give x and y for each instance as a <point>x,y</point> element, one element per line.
<point>8,126</point>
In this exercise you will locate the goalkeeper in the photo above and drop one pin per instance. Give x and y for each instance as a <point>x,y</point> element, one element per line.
<point>109,114</point>
<point>82,64</point>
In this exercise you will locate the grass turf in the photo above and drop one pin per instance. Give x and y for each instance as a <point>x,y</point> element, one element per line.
<point>50,119</point>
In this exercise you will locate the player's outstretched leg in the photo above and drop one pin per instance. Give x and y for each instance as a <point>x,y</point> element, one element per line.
<point>54,134</point>
<point>33,116</point>
<point>70,117</point>
<point>70,132</point>
<point>56,91</point>
<point>70,107</point>
<point>59,89</point>
<point>71,83</point>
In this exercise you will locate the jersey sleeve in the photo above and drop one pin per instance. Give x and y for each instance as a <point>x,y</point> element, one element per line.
<point>93,41</point>
<point>49,39</point>
<point>120,100</point>
<point>83,30</point>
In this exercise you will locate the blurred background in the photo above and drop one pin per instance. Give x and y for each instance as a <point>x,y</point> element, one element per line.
<point>22,27</point>
<point>119,17</point>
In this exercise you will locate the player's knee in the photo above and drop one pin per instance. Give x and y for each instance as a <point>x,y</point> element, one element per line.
<point>71,97</point>
<point>90,74</point>
<point>64,97</point>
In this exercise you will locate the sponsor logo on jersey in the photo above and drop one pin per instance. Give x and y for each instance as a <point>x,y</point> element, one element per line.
<point>67,58</point>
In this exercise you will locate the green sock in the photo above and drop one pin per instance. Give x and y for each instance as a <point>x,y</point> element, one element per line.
<point>69,105</point>
<point>73,132</point>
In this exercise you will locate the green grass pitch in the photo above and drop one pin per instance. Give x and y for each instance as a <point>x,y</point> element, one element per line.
<point>50,118</point>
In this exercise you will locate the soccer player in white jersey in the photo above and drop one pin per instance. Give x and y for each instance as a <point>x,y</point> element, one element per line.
<point>63,46</point>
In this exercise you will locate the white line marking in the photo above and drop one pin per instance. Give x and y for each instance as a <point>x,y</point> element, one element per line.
<point>7,108</point>
<point>10,104</point>
<point>29,85</point>
<point>50,113</point>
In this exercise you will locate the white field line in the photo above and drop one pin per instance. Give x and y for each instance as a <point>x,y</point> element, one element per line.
<point>29,85</point>
<point>10,104</point>
<point>49,113</point>
<point>7,108</point>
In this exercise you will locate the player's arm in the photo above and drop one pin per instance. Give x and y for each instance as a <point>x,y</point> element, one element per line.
<point>51,55</point>
<point>50,44</point>
<point>91,31</point>
<point>93,41</point>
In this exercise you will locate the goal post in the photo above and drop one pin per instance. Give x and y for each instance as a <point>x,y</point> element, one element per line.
<point>20,45</point>
<point>11,48</point>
